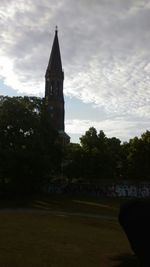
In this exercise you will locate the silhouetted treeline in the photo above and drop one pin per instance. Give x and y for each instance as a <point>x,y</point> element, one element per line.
<point>30,151</point>
<point>98,157</point>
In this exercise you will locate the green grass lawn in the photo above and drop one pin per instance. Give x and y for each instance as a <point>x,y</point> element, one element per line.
<point>56,231</point>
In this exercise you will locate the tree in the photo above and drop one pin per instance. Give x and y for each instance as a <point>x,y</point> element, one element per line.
<point>139,157</point>
<point>115,160</point>
<point>28,151</point>
<point>89,140</point>
<point>73,156</point>
<point>101,154</point>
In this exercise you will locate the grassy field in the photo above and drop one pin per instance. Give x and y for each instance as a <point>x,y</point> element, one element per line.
<point>63,232</point>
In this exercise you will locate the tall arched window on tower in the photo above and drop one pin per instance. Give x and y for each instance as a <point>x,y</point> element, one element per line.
<point>57,88</point>
<point>51,88</point>
<point>51,111</point>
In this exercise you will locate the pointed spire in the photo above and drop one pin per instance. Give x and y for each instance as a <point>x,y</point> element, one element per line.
<point>56,29</point>
<point>55,65</point>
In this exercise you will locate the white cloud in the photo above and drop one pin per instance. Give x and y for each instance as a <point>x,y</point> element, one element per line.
<point>121,87</point>
<point>24,35</point>
<point>122,128</point>
<point>105,51</point>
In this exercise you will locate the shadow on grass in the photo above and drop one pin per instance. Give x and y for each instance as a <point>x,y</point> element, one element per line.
<point>125,260</point>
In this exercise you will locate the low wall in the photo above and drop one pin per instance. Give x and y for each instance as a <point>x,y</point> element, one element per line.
<point>125,189</point>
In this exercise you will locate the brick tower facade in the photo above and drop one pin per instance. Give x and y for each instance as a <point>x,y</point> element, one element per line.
<point>54,96</point>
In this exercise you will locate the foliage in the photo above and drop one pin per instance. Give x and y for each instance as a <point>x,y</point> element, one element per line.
<point>99,157</point>
<point>28,153</point>
<point>73,156</point>
<point>138,157</point>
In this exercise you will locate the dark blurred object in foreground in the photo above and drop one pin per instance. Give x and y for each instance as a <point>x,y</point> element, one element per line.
<point>134,217</point>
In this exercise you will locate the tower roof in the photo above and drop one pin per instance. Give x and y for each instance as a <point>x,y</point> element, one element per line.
<point>55,64</point>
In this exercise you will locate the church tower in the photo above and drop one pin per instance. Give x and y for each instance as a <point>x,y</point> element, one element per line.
<point>54,96</point>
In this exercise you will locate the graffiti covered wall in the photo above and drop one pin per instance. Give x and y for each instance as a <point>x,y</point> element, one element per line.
<point>125,189</point>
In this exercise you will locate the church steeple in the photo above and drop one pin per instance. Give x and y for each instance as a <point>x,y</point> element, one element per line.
<point>54,64</point>
<point>54,87</point>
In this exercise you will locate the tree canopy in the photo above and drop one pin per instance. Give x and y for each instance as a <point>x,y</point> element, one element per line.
<point>99,157</point>
<point>29,152</point>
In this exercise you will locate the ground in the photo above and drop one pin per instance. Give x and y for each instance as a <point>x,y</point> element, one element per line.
<point>59,232</point>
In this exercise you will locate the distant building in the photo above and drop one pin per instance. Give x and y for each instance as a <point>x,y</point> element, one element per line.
<point>54,97</point>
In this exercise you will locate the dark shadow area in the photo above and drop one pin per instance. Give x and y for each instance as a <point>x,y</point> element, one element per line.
<point>134,217</point>
<point>125,260</point>
<point>57,202</point>
<point>10,201</point>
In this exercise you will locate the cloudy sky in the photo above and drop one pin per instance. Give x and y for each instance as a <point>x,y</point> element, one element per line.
<point>105,48</point>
